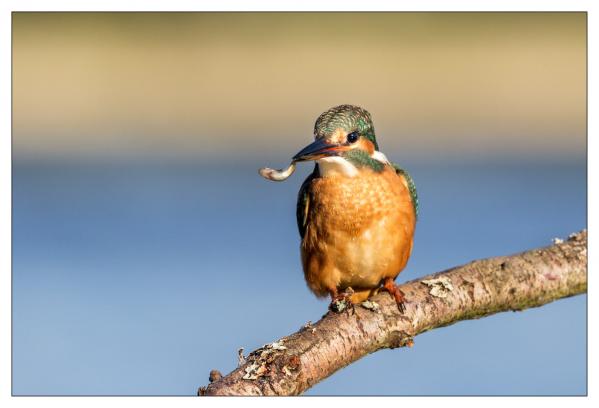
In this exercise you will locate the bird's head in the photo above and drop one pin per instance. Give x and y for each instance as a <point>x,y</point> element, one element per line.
<point>344,136</point>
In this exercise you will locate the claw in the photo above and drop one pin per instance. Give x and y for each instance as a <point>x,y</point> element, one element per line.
<point>390,286</point>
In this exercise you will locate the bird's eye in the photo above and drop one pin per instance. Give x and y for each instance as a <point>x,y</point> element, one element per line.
<point>352,137</point>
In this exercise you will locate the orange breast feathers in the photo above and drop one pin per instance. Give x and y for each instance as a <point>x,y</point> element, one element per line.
<point>359,231</point>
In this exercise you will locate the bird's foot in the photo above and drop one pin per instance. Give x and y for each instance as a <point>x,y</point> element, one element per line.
<point>342,301</point>
<point>390,286</point>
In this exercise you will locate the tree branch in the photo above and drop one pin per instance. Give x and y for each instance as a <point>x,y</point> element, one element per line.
<point>296,362</point>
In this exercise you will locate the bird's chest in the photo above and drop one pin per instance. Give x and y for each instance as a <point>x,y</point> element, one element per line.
<point>352,205</point>
<point>359,230</point>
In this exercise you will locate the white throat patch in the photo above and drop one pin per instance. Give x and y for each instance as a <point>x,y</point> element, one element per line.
<point>336,165</point>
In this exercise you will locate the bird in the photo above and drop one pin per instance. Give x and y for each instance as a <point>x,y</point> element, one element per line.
<point>356,212</point>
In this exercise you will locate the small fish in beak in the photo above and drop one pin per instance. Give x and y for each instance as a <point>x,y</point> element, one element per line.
<point>277,175</point>
<point>314,151</point>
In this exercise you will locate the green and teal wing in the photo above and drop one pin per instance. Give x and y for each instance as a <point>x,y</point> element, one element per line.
<point>411,186</point>
<point>303,202</point>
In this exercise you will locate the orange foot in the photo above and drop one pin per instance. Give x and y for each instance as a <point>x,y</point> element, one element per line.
<point>342,301</point>
<point>390,286</point>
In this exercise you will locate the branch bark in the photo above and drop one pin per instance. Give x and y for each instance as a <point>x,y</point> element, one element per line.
<point>294,363</point>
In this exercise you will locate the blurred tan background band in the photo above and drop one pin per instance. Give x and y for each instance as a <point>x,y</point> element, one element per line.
<point>232,83</point>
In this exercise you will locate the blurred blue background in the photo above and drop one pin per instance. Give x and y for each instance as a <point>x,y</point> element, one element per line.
<point>138,279</point>
<point>147,250</point>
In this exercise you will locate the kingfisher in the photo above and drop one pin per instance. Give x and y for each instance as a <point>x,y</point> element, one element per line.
<point>356,212</point>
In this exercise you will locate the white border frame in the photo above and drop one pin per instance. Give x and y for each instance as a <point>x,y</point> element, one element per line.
<point>7,7</point>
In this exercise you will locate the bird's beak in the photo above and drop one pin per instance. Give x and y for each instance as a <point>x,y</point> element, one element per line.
<point>318,149</point>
